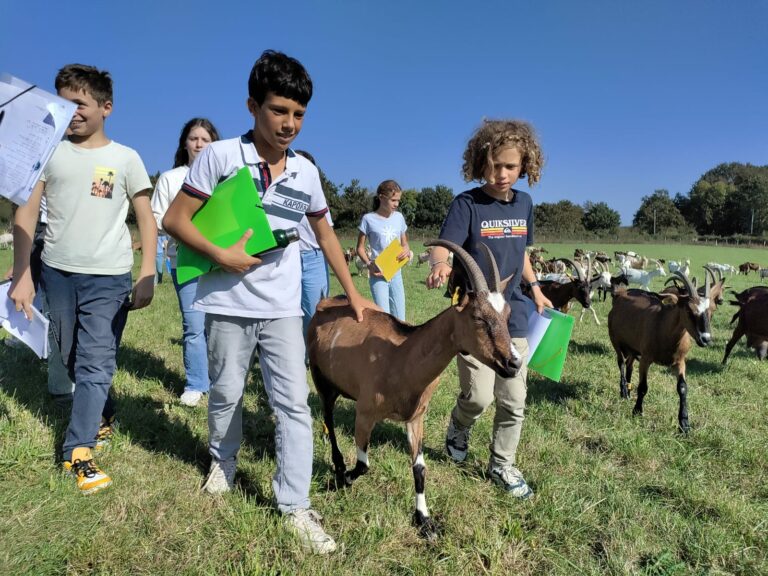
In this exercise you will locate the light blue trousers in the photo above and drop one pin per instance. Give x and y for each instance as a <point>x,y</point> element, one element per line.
<point>389,295</point>
<point>194,349</point>
<point>314,283</point>
<point>232,344</point>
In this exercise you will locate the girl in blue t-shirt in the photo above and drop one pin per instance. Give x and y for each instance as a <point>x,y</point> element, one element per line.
<point>380,228</point>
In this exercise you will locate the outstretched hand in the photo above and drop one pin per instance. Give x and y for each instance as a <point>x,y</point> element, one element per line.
<point>438,275</point>
<point>234,259</point>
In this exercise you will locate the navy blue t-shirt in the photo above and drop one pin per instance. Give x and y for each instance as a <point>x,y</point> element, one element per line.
<point>506,228</point>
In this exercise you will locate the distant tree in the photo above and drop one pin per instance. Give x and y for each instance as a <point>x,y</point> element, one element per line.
<point>353,203</point>
<point>658,212</point>
<point>408,205</point>
<point>729,199</point>
<point>563,217</point>
<point>704,205</point>
<point>432,206</point>
<point>600,218</point>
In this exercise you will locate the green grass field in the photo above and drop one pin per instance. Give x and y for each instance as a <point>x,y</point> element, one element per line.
<point>615,494</point>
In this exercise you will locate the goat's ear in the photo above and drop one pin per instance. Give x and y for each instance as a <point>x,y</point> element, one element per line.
<point>503,284</point>
<point>669,300</point>
<point>463,301</point>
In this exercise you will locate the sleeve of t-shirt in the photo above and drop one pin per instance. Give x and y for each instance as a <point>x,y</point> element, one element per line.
<point>404,226</point>
<point>364,225</point>
<point>161,199</point>
<point>136,177</point>
<point>457,222</point>
<point>317,204</point>
<point>203,175</point>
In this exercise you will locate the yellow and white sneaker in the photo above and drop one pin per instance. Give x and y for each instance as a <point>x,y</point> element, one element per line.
<point>89,477</point>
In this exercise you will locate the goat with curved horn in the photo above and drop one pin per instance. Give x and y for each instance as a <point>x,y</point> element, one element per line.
<point>391,368</point>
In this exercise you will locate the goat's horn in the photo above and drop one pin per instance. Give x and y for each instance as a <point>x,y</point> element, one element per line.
<point>589,266</point>
<point>579,271</point>
<point>495,278</point>
<point>672,280</point>
<point>691,290</point>
<point>708,272</point>
<point>476,277</point>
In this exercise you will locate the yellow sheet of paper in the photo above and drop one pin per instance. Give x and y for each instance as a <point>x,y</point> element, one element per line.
<point>387,260</point>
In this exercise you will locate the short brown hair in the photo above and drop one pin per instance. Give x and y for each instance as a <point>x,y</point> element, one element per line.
<point>495,135</point>
<point>88,79</point>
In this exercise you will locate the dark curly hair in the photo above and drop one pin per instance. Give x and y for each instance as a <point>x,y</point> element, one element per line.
<point>282,75</point>
<point>495,135</point>
<point>88,79</point>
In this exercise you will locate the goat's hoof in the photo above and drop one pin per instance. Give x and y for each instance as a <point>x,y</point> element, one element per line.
<point>347,479</point>
<point>429,528</point>
<point>341,480</point>
<point>637,411</point>
<point>684,427</point>
<point>624,394</point>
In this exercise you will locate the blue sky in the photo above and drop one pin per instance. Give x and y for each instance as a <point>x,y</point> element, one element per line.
<point>627,97</point>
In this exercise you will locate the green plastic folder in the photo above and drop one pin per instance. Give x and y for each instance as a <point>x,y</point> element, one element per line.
<point>233,208</point>
<point>549,358</point>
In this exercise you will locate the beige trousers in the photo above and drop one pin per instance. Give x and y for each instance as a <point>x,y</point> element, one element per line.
<point>480,385</point>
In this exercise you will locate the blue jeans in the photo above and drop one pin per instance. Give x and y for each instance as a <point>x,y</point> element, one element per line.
<point>88,314</point>
<point>389,295</point>
<point>160,258</point>
<point>232,344</point>
<point>194,348</point>
<point>314,283</point>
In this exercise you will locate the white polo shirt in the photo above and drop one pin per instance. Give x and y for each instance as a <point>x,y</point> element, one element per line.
<point>273,288</point>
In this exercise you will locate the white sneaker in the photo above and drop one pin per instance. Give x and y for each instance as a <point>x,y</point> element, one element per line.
<point>305,522</point>
<point>221,476</point>
<point>511,480</point>
<point>191,398</point>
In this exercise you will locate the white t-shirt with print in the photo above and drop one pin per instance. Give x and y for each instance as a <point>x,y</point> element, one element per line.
<point>87,192</point>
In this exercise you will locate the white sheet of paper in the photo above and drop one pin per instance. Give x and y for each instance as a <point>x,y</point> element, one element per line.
<point>537,327</point>
<point>31,126</point>
<point>34,333</point>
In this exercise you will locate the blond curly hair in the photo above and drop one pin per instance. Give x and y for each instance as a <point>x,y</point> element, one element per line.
<point>495,135</point>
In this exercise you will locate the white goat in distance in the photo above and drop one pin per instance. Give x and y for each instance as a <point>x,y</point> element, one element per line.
<point>644,278</point>
<point>6,241</point>
<point>392,368</point>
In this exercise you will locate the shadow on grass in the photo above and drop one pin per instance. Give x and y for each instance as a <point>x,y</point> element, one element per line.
<point>542,390</point>
<point>24,377</point>
<point>697,366</point>
<point>142,364</point>
<point>594,348</point>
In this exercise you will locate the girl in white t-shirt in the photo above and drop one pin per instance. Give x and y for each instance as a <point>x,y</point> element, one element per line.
<point>196,135</point>
<point>380,228</point>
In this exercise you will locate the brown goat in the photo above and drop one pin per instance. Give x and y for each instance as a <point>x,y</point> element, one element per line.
<point>392,368</point>
<point>561,294</point>
<point>657,329</point>
<point>752,319</point>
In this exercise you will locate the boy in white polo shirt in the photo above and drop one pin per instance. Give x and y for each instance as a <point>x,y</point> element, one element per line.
<point>253,305</point>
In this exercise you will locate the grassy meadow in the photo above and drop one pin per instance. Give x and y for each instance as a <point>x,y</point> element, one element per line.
<point>615,494</point>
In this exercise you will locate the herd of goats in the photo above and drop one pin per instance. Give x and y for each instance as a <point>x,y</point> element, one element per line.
<point>391,368</point>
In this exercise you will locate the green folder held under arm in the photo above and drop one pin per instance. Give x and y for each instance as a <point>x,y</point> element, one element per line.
<point>233,208</point>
